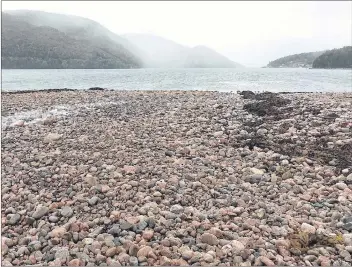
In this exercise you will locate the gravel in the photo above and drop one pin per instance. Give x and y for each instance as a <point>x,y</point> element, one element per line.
<point>175,178</point>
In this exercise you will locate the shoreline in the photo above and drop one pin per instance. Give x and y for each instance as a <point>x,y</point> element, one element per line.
<point>176,178</point>
<point>56,90</point>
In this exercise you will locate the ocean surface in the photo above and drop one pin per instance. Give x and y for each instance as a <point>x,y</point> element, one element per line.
<point>254,79</point>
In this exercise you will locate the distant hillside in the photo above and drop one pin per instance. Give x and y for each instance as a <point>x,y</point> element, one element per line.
<point>159,52</point>
<point>35,39</point>
<point>303,60</point>
<point>38,39</point>
<point>335,59</point>
<point>79,27</point>
<point>204,57</point>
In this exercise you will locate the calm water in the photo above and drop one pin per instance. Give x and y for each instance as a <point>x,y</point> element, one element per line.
<point>275,80</point>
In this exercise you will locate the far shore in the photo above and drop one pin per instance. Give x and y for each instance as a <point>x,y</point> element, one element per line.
<point>56,90</point>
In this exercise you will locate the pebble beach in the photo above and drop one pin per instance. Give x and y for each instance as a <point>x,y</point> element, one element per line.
<point>176,178</point>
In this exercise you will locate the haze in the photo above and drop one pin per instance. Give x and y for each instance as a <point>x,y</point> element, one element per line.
<point>251,33</point>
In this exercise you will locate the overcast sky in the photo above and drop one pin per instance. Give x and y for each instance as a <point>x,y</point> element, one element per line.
<point>251,33</point>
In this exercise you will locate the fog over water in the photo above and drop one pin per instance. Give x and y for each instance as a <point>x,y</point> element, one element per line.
<point>249,33</point>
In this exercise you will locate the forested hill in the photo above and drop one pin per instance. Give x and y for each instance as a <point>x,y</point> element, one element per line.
<point>38,39</point>
<point>303,60</point>
<point>25,45</point>
<point>335,59</point>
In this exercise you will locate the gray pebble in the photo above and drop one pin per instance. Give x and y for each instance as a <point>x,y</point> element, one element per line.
<point>66,212</point>
<point>40,212</point>
<point>14,219</point>
<point>93,201</point>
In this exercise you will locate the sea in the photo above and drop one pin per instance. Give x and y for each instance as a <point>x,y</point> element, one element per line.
<point>224,80</point>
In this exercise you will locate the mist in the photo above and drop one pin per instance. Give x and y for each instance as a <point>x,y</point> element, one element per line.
<point>249,33</point>
<point>152,51</point>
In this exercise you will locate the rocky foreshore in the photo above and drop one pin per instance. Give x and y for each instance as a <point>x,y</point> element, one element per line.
<point>111,178</point>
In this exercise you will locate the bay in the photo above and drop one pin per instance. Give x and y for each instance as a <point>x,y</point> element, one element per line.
<point>254,79</point>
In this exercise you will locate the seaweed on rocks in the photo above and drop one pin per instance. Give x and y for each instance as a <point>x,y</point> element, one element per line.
<point>268,104</point>
<point>264,96</point>
<point>247,94</point>
<point>96,89</point>
<point>256,142</point>
<point>340,157</point>
<point>39,91</point>
<point>262,108</point>
<point>300,241</point>
<point>331,116</point>
<point>270,110</point>
<point>286,93</point>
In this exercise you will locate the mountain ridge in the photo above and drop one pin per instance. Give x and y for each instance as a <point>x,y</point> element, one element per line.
<point>157,53</point>
<point>89,45</point>
<point>73,25</point>
<point>25,45</point>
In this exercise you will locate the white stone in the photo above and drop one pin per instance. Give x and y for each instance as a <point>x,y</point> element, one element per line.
<point>217,134</point>
<point>262,131</point>
<point>208,258</point>
<point>284,162</point>
<point>52,137</point>
<point>347,238</point>
<point>257,171</point>
<point>341,186</point>
<point>87,241</point>
<point>91,180</point>
<point>18,123</point>
<point>305,227</point>
<point>237,247</point>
